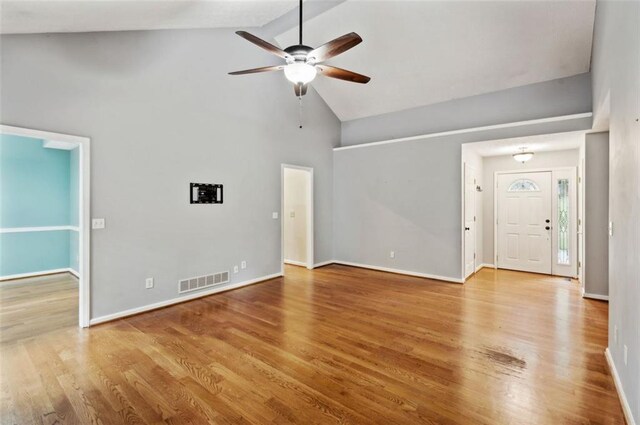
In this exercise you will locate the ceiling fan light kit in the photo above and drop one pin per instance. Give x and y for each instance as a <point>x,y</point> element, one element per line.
<point>303,62</point>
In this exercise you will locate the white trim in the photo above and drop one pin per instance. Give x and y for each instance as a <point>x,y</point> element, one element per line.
<point>44,135</point>
<point>177,300</point>
<point>469,130</point>
<point>626,409</point>
<point>40,273</point>
<point>487,265</point>
<point>38,229</point>
<point>323,263</point>
<point>310,217</point>
<point>397,271</point>
<point>295,263</point>
<point>84,206</point>
<point>595,296</point>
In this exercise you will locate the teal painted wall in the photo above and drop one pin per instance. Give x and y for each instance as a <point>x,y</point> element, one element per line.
<point>38,187</point>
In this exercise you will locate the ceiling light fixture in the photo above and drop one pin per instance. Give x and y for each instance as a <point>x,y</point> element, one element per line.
<point>523,156</point>
<point>300,72</point>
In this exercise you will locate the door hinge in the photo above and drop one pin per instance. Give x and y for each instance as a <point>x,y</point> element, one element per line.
<point>474,255</point>
<point>579,264</point>
<point>474,218</point>
<point>579,179</point>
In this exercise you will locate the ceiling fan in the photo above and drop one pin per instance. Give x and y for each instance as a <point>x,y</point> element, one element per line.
<point>303,63</point>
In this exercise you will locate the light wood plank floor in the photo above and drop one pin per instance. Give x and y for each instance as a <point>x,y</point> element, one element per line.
<point>37,305</point>
<point>333,345</point>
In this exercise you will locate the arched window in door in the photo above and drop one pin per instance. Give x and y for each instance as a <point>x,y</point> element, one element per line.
<point>523,185</point>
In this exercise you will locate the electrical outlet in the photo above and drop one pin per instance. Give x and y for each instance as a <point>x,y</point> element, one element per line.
<point>243,265</point>
<point>392,254</point>
<point>235,269</point>
<point>148,283</point>
<point>625,354</point>
<point>97,223</point>
<point>274,215</point>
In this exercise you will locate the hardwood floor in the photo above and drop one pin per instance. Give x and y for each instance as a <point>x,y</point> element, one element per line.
<point>37,305</point>
<point>333,345</point>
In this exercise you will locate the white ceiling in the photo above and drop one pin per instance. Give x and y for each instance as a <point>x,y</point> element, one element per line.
<point>424,52</point>
<point>542,143</point>
<point>46,16</point>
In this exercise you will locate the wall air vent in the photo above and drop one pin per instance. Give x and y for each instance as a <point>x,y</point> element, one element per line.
<point>201,282</point>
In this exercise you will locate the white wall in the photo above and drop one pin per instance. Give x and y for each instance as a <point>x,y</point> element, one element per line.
<point>294,215</point>
<point>616,76</point>
<point>162,112</point>
<point>493,164</point>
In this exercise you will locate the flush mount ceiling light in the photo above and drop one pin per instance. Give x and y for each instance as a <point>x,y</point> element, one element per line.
<point>523,156</point>
<point>304,62</point>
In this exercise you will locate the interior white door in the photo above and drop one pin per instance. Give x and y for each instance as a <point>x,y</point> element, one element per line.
<point>524,221</point>
<point>469,220</point>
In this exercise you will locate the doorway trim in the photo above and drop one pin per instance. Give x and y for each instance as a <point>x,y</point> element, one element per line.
<point>573,170</point>
<point>310,218</point>
<point>84,204</point>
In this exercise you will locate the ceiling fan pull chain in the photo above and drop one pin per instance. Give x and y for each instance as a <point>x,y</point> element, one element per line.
<point>300,111</point>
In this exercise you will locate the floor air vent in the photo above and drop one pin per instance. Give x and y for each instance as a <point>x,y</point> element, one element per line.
<point>200,282</point>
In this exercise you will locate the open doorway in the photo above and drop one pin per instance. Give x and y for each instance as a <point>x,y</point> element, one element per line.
<point>526,203</point>
<point>44,231</point>
<point>297,216</point>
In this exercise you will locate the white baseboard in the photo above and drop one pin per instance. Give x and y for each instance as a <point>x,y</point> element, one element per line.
<point>626,409</point>
<point>40,273</point>
<point>483,265</point>
<point>166,303</point>
<point>295,263</point>
<point>324,263</point>
<point>74,272</point>
<point>595,296</point>
<point>405,272</point>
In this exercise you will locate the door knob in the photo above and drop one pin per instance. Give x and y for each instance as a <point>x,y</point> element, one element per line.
<point>466,228</point>
<point>547,227</point>
<point>547,221</point>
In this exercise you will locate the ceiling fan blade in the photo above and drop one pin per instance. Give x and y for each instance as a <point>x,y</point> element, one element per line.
<point>342,74</point>
<point>303,90</point>
<point>264,44</point>
<point>256,70</point>
<point>335,47</point>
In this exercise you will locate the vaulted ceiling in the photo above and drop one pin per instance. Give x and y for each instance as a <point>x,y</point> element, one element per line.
<point>417,52</point>
<point>47,16</point>
<point>425,52</point>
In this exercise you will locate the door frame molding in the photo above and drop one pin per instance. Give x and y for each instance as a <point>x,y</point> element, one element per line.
<point>84,204</point>
<point>496,196</point>
<point>310,219</point>
<point>465,166</point>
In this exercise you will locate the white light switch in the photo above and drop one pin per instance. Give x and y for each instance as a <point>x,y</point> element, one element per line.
<point>97,223</point>
<point>611,228</point>
<point>243,265</point>
<point>274,215</point>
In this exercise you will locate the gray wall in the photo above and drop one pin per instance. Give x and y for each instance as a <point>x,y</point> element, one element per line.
<point>403,197</point>
<point>565,96</point>
<point>492,164</point>
<point>616,71</point>
<point>406,196</point>
<point>596,214</point>
<point>161,112</point>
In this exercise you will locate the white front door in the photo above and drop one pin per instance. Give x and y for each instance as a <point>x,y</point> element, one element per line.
<point>469,221</point>
<point>524,221</point>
